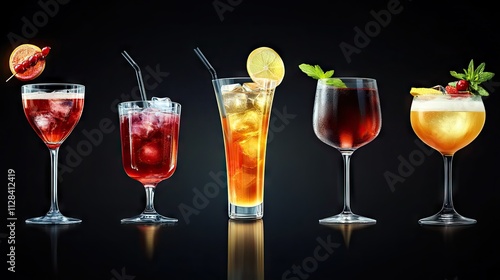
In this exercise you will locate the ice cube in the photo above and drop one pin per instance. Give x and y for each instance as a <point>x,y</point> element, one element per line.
<point>235,102</point>
<point>245,179</point>
<point>144,125</point>
<point>249,87</point>
<point>261,101</point>
<point>440,88</point>
<point>250,147</point>
<point>162,103</point>
<point>231,88</point>
<point>60,108</point>
<point>44,121</point>
<point>245,123</point>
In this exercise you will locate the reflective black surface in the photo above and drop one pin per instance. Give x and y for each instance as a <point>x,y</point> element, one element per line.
<point>395,179</point>
<point>301,249</point>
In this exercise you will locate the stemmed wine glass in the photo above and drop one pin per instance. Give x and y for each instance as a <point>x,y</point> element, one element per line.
<point>53,110</point>
<point>149,133</point>
<point>347,116</point>
<point>447,123</point>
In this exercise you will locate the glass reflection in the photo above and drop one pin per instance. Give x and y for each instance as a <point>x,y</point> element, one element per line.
<point>449,233</point>
<point>149,238</point>
<point>54,232</point>
<point>245,254</point>
<point>347,230</point>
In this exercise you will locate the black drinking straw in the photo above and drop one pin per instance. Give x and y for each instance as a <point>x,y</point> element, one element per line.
<point>137,73</point>
<point>207,64</point>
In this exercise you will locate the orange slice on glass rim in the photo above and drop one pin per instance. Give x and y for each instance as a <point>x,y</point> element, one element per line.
<point>424,91</point>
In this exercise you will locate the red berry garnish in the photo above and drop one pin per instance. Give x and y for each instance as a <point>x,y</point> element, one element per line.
<point>462,85</point>
<point>26,63</point>
<point>32,60</point>
<point>38,56</point>
<point>19,68</point>
<point>451,89</point>
<point>45,51</point>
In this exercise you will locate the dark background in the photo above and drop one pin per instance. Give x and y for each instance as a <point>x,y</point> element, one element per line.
<point>410,43</point>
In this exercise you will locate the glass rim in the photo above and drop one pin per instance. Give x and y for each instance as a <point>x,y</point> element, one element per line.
<point>241,78</point>
<point>145,101</point>
<point>53,84</point>
<point>232,78</point>
<point>349,78</point>
<point>447,96</point>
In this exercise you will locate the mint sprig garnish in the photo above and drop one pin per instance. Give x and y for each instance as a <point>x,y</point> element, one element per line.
<point>317,73</point>
<point>475,76</point>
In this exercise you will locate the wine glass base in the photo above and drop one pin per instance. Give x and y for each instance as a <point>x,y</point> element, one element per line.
<point>347,218</point>
<point>447,219</point>
<point>149,219</point>
<point>53,219</point>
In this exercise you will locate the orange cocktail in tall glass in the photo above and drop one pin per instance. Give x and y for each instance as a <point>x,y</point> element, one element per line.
<point>245,108</point>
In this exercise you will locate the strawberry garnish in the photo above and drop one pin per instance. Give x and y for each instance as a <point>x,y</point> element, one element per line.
<point>451,89</point>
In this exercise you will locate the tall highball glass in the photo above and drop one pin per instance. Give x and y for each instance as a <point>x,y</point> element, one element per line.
<point>245,109</point>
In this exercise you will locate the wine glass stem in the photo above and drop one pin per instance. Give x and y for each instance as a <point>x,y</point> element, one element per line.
<point>54,206</point>
<point>346,156</point>
<point>448,184</point>
<point>150,194</point>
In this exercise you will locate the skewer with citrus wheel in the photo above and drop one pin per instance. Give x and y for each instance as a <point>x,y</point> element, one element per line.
<point>27,62</point>
<point>265,63</point>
